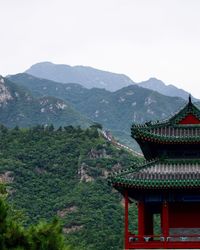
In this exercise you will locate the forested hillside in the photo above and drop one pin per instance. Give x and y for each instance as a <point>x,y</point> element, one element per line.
<point>63,172</point>
<point>18,107</point>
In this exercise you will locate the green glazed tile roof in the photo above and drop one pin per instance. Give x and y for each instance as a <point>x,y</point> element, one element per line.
<point>168,134</point>
<point>189,108</point>
<point>160,174</point>
<point>170,130</point>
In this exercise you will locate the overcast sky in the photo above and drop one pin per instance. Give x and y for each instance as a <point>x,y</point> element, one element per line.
<point>140,38</point>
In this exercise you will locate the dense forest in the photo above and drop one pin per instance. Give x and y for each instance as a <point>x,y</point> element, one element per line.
<point>63,173</point>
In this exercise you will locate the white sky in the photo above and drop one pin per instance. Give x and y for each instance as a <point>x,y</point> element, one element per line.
<point>140,38</point>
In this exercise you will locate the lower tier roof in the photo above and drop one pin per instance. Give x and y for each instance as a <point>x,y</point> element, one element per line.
<point>160,174</point>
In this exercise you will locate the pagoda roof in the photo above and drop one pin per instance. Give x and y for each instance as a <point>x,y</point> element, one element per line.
<point>168,135</point>
<point>178,117</point>
<point>188,111</point>
<point>182,127</point>
<point>160,174</point>
<point>168,171</point>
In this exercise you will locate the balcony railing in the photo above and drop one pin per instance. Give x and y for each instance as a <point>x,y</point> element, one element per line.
<point>166,242</point>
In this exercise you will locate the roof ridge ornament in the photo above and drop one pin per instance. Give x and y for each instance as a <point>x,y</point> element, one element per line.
<point>190,99</point>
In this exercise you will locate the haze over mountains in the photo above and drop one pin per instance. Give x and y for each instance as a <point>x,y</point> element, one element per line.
<point>86,76</point>
<point>161,87</point>
<point>93,78</point>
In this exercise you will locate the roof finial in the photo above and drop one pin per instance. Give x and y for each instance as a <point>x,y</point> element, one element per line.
<point>190,99</point>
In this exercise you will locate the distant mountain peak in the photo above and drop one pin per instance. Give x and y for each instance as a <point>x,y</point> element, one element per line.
<point>165,89</point>
<point>155,79</point>
<point>87,76</point>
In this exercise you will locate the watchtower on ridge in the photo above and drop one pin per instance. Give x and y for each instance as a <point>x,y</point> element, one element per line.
<point>166,184</point>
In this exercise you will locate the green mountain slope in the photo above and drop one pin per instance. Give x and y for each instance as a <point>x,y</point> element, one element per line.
<point>64,173</point>
<point>115,110</point>
<point>19,108</point>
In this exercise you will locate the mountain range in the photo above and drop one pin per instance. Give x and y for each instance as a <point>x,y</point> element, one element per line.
<point>90,77</point>
<point>28,100</point>
<point>116,111</point>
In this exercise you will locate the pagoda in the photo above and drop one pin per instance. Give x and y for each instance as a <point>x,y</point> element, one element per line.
<point>165,184</point>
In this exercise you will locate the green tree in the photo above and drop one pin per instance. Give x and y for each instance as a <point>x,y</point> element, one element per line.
<point>47,236</point>
<point>42,236</point>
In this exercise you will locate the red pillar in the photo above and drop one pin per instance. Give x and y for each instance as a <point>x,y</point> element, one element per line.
<point>165,220</point>
<point>126,237</point>
<point>141,220</point>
